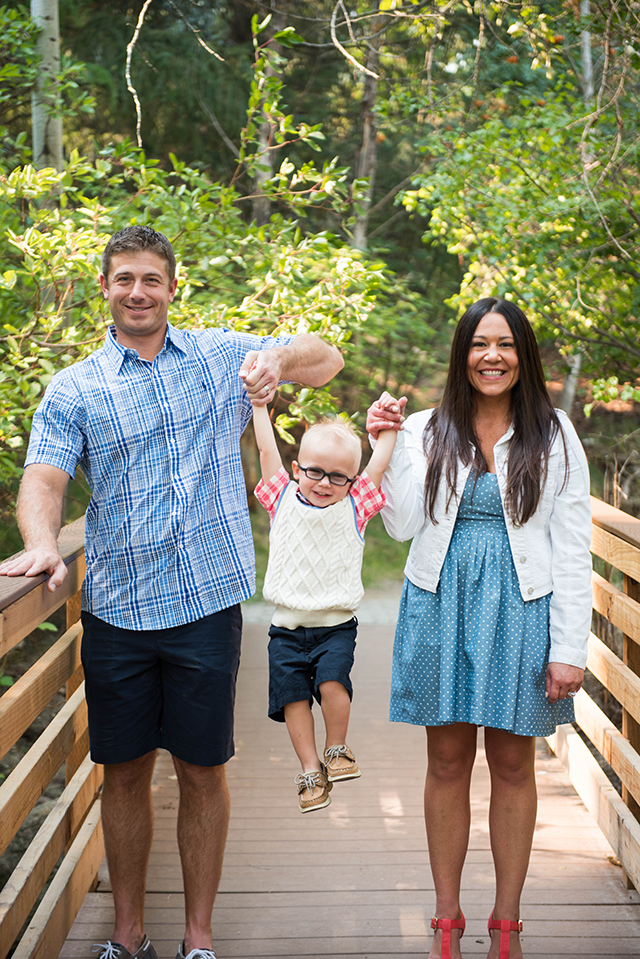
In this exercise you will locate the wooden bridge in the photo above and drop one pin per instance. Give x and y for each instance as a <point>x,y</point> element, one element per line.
<point>353,879</point>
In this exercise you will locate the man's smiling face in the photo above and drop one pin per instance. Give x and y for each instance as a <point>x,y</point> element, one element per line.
<point>139,293</point>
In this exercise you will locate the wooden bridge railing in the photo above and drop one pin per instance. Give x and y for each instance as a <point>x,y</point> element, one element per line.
<point>73,830</point>
<point>616,540</point>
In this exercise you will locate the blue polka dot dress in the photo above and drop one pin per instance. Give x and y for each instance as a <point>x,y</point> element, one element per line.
<point>474,651</point>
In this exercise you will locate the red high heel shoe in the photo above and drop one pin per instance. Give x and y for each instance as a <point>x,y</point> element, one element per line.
<point>506,927</point>
<point>447,925</point>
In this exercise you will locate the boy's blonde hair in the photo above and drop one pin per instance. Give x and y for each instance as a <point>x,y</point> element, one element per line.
<point>343,431</point>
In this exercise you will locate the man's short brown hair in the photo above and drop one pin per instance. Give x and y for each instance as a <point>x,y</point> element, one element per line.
<point>135,238</point>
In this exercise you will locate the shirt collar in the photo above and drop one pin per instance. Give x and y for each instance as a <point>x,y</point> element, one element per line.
<point>506,437</point>
<point>303,499</point>
<point>115,353</point>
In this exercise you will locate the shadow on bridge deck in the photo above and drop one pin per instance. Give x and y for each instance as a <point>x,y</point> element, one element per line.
<point>353,879</point>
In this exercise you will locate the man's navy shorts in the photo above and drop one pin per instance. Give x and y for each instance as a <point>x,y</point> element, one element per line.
<point>300,659</point>
<point>169,688</point>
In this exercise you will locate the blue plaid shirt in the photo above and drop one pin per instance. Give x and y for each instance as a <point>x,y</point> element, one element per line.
<point>168,538</point>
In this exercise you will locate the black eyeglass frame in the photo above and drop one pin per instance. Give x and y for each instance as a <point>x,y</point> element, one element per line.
<point>318,479</point>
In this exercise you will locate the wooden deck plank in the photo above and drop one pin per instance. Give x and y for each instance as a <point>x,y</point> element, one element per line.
<point>354,879</point>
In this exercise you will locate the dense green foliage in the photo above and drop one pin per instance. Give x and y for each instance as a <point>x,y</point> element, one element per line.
<point>540,194</point>
<point>232,272</point>
<point>496,170</point>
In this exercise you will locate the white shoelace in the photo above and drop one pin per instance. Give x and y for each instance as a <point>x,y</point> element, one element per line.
<point>201,954</point>
<point>334,752</point>
<point>308,781</point>
<point>109,949</point>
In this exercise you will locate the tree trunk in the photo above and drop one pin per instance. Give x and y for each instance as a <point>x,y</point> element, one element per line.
<point>366,162</point>
<point>261,208</point>
<point>47,129</point>
<point>585,53</point>
<point>568,395</point>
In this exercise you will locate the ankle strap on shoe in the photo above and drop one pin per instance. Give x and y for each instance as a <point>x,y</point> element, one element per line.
<point>506,927</point>
<point>447,925</point>
<point>451,923</point>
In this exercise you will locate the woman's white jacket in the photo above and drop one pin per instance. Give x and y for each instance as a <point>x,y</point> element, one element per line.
<point>550,551</point>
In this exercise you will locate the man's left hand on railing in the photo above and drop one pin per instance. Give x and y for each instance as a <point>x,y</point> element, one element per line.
<point>33,563</point>
<point>39,515</point>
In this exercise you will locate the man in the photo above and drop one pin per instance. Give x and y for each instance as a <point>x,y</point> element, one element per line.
<point>154,419</point>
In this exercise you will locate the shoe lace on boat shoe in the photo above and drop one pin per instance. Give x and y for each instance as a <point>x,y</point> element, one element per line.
<point>308,781</point>
<point>110,950</point>
<point>335,752</point>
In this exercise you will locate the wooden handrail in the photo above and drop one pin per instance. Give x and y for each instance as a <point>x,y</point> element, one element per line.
<point>70,545</point>
<point>73,828</point>
<point>614,521</point>
<point>616,540</point>
<point>26,602</point>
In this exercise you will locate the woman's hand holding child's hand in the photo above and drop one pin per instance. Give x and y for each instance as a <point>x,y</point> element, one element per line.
<point>386,413</point>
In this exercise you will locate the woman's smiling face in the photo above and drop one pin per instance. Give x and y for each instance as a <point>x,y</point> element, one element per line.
<point>492,363</point>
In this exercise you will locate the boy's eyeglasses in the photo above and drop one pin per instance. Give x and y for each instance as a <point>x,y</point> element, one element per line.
<point>315,474</point>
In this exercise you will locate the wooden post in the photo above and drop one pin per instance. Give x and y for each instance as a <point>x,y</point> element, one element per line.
<point>630,727</point>
<point>79,751</point>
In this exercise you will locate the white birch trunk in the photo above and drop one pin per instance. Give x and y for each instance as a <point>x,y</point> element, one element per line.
<point>47,129</point>
<point>585,53</point>
<point>366,163</point>
<point>568,395</point>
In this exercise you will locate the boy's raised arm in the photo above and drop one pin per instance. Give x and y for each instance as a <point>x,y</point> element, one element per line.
<point>270,460</point>
<point>381,456</point>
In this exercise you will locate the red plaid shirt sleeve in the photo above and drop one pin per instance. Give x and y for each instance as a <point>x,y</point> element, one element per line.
<point>368,500</point>
<point>269,492</point>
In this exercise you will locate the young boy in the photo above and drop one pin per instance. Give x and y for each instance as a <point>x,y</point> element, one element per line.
<point>313,578</point>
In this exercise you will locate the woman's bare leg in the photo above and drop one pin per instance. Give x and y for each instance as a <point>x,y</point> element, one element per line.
<point>512,819</point>
<point>451,752</point>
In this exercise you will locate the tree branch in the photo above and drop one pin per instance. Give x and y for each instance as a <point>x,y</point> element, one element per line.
<point>396,189</point>
<point>339,46</point>
<point>196,33</point>
<point>127,72</point>
<point>217,125</point>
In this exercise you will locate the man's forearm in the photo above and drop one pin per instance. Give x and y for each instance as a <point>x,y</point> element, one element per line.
<point>39,518</point>
<point>39,510</point>
<point>309,360</point>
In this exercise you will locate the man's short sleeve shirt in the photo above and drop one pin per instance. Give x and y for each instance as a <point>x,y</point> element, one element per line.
<point>168,539</point>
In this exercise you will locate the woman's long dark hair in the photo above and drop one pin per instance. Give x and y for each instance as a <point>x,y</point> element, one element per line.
<point>449,436</point>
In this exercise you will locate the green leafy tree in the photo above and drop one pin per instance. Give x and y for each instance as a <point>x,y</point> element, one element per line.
<point>232,272</point>
<point>538,193</point>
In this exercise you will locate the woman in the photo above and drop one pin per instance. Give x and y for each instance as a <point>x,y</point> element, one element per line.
<point>493,487</point>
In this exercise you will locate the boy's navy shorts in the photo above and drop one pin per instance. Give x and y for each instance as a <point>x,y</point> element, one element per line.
<point>300,659</point>
<point>170,688</point>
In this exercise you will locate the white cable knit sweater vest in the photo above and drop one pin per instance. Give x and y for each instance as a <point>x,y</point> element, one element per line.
<point>315,559</point>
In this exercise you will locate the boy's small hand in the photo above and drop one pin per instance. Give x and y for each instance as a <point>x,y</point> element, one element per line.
<point>386,413</point>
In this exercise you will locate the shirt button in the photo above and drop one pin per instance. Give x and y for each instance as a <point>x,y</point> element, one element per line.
<point>530,590</point>
<point>523,559</point>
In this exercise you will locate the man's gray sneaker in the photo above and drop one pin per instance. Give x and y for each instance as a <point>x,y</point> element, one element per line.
<point>195,953</point>
<point>114,950</point>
